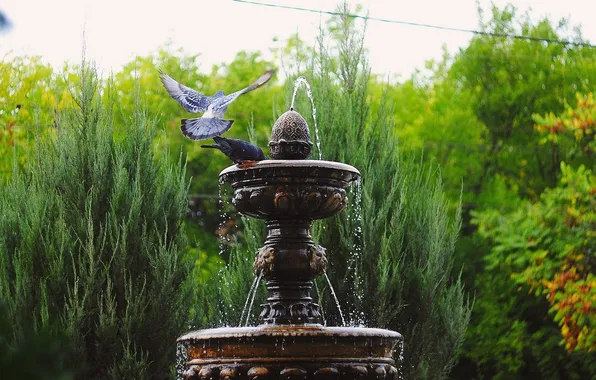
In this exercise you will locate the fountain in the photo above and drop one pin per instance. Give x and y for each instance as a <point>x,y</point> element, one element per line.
<point>290,192</point>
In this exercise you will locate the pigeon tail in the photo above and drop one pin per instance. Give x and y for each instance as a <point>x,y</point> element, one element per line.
<point>203,128</point>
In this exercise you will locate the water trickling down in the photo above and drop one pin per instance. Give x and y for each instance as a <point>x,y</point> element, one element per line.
<point>252,289</point>
<point>400,368</point>
<point>252,299</point>
<point>181,359</point>
<point>302,80</point>
<point>320,302</point>
<point>343,321</point>
<point>223,218</point>
<point>357,318</point>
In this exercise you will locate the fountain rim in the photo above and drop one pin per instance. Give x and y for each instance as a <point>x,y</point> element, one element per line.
<point>285,331</point>
<point>286,164</point>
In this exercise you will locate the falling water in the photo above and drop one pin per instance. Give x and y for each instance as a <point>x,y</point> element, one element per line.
<point>302,80</point>
<point>222,219</point>
<point>253,288</point>
<point>181,359</point>
<point>356,314</point>
<point>357,255</point>
<point>343,321</point>
<point>252,299</point>
<point>400,366</point>
<point>320,302</point>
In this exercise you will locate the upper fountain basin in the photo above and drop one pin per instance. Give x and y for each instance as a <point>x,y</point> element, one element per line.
<point>290,189</point>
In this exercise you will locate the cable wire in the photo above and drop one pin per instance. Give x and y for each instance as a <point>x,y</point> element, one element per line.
<point>410,23</point>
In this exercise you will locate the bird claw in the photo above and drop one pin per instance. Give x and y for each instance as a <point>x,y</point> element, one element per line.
<point>247,164</point>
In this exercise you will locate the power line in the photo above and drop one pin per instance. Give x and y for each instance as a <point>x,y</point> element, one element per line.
<point>410,23</point>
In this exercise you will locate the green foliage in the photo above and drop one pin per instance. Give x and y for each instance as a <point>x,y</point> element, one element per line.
<point>571,136</point>
<point>511,79</point>
<point>541,260</point>
<point>39,355</point>
<point>544,249</point>
<point>30,94</point>
<point>552,252</point>
<point>90,242</point>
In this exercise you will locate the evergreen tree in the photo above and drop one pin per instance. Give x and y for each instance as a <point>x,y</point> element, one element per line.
<point>91,242</point>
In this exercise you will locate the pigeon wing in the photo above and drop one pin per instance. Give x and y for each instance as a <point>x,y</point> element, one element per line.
<point>191,100</point>
<point>259,82</point>
<point>204,127</point>
<point>223,101</point>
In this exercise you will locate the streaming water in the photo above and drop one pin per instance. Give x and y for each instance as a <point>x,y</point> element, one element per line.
<point>343,321</point>
<point>252,299</point>
<point>320,302</point>
<point>302,80</point>
<point>181,359</point>
<point>400,365</point>
<point>252,289</point>
<point>223,218</point>
<point>357,317</point>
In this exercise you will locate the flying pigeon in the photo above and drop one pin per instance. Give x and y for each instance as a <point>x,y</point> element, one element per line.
<point>241,152</point>
<point>212,122</point>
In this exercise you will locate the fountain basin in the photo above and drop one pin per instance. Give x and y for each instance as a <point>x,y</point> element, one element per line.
<point>290,189</point>
<point>291,352</point>
<point>289,195</point>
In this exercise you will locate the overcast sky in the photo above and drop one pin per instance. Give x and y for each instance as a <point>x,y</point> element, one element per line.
<point>118,30</point>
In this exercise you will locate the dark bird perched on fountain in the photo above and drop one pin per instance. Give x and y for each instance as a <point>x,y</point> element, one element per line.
<point>242,153</point>
<point>212,122</point>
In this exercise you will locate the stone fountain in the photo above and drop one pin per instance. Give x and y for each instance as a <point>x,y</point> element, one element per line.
<point>290,192</point>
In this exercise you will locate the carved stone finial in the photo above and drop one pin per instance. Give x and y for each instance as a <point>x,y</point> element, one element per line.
<point>290,139</point>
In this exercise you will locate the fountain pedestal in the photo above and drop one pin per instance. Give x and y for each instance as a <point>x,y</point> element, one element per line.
<point>290,343</point>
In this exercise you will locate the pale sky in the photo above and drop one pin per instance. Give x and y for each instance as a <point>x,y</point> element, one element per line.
<point>118,30</point>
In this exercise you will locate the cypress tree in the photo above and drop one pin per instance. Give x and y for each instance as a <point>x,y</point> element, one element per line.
<point>91,241</point>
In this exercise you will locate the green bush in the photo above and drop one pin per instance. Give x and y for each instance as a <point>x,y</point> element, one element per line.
<point>90,242</point>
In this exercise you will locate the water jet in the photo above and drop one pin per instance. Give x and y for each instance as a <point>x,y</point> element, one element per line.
<point>289,192</point>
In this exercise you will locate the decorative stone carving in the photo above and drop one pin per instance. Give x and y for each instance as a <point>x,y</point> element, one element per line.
<point>208,373</point>
<point>326,373</point>
<point>392,373</point>
<point>355,372</point>
<point>317,259</point>
<point>273,369</point>
<point>191,373</point>
<point>380,373</point>
<point>298,312</point>
<point>265,262</point>
<point>258,373</point>
<point>293,374</point>
<point>290,139</point>
<point>287,201</point>
<point>228,373</point>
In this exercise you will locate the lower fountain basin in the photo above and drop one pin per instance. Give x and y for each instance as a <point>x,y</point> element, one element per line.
<point>291,352</point>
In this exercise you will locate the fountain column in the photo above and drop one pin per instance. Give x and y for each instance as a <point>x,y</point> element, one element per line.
<point>290,192</point>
